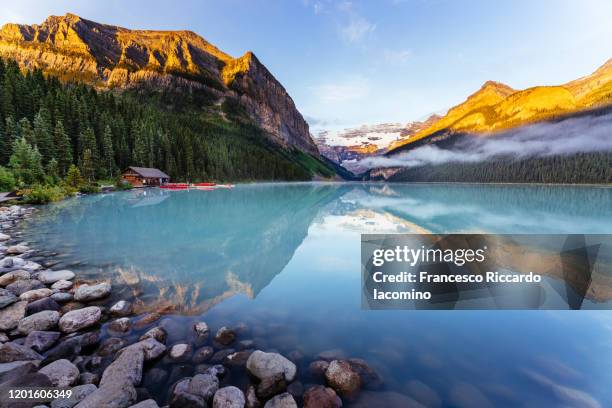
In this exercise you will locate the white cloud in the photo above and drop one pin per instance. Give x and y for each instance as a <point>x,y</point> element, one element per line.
<point>356,29</point>
<point>352,89</point>
<point>397,56</point>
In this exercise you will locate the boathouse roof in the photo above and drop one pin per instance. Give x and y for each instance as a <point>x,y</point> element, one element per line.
<point>148,172</point>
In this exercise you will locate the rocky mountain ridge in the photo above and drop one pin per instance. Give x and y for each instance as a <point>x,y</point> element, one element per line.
<point>110,57</point>
<point>496,106</point>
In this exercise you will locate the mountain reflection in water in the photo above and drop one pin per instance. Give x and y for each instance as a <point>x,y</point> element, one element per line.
<point>285,259</point>
<point>196,248</point>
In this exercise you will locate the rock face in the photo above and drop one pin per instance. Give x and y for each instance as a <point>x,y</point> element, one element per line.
<point>107,57</point>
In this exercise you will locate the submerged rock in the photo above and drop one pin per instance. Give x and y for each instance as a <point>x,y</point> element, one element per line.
<point>225,336</point>
<point>271,386</point>
<point>318,368</point>
<point>87,293</point>
<point>389,399</point>
<point>228,397</point>
<point>181,397</point>
<point>156,333</point>
<point>321,397</point>
<point>285,400</point>
<point>146,320</point>
<point>150,348</point>
<point>79,319</point>
<point>342,378</point>
<point>121,308</point>
<point>62,373</point>
<point>203,354</point>
<point>204,385</point>
<point>180,352</point>
<point>369,378</point>
<point>121,325</point>
<point>262,365</point>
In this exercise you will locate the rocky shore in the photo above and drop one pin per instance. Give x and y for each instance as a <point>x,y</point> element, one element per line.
<point>59,331</point>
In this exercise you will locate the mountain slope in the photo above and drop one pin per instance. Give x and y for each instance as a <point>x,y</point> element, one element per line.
<point>111,57</point>
<point>496,106</point>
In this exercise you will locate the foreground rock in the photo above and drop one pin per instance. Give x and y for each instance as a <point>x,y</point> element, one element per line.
<point>45,320</point>
<point>229,397</point>
<point>87,293</point>
<point>264,365</point>
<point>41,341</point>
<point>113,395</point>
<point>10,352</point>
<point>78,394</point>
<point>61,373</point>
<point>342,378</point>
<point>79,319</point>
<point>127,367</point>
<point>51,277</point>
<point>10,315</point>
<point>285,400</point>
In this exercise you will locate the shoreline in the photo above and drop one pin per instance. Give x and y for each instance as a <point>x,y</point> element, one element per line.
<point>59,331</point>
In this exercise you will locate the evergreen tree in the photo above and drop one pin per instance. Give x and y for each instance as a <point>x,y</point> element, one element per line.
<point>52,171</point>
<point>62,148</point>
<point>26,162</point>
<point>73,177</point>
<point>42,134</point>
<point>26,131</point>
<point>108,153</point>
<point>88,167</point>
<point>8,137</point>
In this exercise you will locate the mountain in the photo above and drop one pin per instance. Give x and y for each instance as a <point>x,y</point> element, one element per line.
<point>347,146</point>
<point>109,57</point>
<point>496,106</point>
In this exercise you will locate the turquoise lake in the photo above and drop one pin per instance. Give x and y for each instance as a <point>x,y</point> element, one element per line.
<point>285,260</point>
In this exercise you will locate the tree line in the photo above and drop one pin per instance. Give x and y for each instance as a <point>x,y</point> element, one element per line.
<point>47,126</point>
<point>579,168</point>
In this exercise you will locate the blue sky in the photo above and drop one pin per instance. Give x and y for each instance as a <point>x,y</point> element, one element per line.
<point>351,62</point>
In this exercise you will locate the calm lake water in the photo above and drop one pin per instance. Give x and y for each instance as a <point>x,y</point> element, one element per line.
<point>285,259</point>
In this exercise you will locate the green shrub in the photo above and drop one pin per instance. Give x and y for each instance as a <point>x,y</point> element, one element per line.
<point>90,188</point>
<point>121,184</point>
<point>43,194</point>
<point>7,180</point>
<point>73,177</point>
